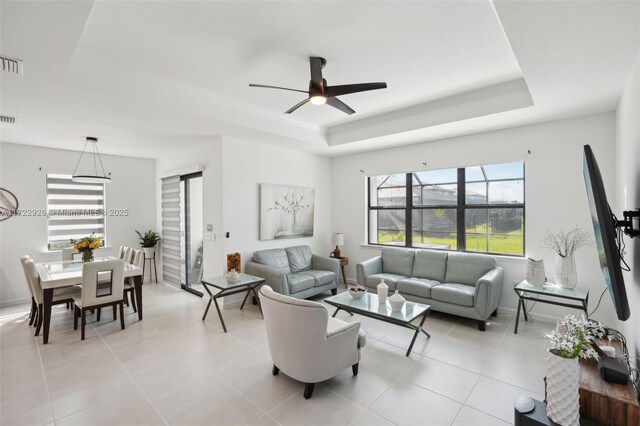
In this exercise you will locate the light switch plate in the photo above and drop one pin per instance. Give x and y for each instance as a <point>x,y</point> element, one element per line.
<point>207,236</point>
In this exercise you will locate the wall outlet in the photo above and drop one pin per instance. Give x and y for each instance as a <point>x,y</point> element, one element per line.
<point>207,236</point>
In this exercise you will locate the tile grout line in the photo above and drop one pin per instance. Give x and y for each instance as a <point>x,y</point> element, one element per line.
<point>46,385</point>
<point>224,381</point>
<point>131,378</point>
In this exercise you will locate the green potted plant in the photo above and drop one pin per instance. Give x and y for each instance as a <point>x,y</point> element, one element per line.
<point>148,241</point>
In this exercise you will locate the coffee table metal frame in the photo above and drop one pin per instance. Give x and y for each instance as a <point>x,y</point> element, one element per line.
<point>549,290</point>
<point>407,324</point>
<point>231,288</point>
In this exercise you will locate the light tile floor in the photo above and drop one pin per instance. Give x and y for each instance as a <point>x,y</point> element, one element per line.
<point>173,368</point>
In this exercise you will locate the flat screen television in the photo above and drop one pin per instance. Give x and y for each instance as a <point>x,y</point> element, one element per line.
<point>605,232</point>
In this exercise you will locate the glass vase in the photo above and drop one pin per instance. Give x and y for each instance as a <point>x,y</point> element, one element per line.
<point>87,256</point>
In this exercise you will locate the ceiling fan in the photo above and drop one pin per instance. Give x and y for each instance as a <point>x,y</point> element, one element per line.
<point>319,93</point>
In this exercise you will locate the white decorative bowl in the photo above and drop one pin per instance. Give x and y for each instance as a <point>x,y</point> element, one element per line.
<point>357,292</point>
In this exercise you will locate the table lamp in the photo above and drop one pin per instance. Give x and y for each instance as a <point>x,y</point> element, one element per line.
<point>337,240</point>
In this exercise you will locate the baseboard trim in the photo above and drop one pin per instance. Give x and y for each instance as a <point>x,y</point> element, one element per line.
<point>13,302</point>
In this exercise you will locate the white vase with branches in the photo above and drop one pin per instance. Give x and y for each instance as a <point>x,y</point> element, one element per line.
<point>565,244</point>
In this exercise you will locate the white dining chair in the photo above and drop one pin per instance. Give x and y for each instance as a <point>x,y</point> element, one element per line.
<point>69,253</point>
<point>129,285</point>
<point>60,295</point>
<point>34,306</point>
<point>121,252</point>
<point>109,293</point>
<point>128,254</point>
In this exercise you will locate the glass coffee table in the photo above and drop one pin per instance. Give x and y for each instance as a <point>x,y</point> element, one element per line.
<point>246,284</point>
<point>368,306</point>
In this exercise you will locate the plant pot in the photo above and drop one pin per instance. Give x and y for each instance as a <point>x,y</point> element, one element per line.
<point>563,398</point>
<point>565,271</point>
<point>149,252</point>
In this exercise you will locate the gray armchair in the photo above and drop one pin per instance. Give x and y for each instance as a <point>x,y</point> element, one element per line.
<point>305,342</point>
<point>295,271</point>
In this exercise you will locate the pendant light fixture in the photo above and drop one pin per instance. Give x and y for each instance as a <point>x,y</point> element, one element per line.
<point>94,178</point>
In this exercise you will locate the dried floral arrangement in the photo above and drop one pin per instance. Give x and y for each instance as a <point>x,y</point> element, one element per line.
<point>565,243</point>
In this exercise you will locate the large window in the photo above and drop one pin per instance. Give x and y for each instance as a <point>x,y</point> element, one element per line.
<point>477,209</point>
<point>74,210</point>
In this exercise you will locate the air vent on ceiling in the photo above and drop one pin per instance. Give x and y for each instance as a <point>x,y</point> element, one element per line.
<point>11,65</point>
<point>7,119</point>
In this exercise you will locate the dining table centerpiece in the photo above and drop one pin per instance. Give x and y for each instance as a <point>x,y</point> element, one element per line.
<point>86,246</point>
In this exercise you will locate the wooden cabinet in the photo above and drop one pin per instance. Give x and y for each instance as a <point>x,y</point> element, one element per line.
<point>606,403</point>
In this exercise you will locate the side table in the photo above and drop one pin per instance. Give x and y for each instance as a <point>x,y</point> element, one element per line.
<point>150,259</point>
<point>344,261</point>
<point>246,284</point>
<point>550,292</point>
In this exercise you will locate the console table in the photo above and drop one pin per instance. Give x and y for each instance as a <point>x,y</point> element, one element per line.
<point>552,294</point>
<point>605,403</point>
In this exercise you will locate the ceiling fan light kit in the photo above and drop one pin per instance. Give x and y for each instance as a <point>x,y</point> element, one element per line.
<point>94,178</point>
<point>320,93</point>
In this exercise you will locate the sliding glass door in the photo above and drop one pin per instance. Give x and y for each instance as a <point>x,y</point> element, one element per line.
<point>191,231</point>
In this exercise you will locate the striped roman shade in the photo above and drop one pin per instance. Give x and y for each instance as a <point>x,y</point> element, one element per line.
<point>74,210</point>
<point>171,230</point>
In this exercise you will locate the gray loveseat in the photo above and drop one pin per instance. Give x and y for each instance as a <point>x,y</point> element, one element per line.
<point>295,271</point>
<point>464,284</point>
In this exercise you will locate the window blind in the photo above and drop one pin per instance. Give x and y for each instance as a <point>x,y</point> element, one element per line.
<point>171,271</point>
<point>74,210</point>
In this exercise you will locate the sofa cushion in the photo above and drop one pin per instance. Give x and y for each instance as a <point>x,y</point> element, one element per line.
<point>389,279</point>
<point>457,294</point>
<point>468,268</point>
<point>420,287</point>
<point>431,264</point>
<point>300,282</point>
<point>275,258</point>
<point>397,261</point>
<point>299,258</point>
<point>321,277</point>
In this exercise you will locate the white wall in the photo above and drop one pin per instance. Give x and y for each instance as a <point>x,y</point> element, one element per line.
<point>23,171</point>
<point>246,165</point>
<point>627,195</point>
<point>555,192</point>
<point>185,160</point>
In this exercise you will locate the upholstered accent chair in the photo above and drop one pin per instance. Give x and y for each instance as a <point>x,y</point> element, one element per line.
<point>305,342</point>
<point>102,285</point>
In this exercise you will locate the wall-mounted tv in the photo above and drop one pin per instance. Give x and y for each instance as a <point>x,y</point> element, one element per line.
<point>605,233</point>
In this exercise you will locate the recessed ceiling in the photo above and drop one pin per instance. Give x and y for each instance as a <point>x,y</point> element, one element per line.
<point>147,76</point>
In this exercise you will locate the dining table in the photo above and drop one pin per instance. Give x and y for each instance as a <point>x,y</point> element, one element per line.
<point>69,272</point>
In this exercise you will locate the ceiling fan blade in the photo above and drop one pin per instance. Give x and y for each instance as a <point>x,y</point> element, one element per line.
<point>276,87</point>
<point>296,106</point>
<point>316,72</point>
<point>346,89</point>
<point>338,104</point>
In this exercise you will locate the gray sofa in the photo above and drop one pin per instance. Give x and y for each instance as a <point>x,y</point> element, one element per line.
<point>295,271</point>
<point>464,284</point>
